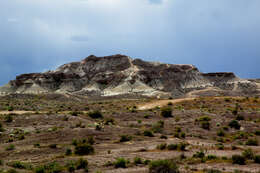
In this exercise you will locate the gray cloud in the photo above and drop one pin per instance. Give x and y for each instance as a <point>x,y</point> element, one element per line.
<point>215,36</point>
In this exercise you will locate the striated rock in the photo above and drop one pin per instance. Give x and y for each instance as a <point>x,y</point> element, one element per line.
<point>122,75</point>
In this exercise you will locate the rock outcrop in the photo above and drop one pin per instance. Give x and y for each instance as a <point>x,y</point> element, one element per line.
<point>120,75</point>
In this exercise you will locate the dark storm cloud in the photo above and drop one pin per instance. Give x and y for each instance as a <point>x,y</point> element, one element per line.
<point>214,35</point>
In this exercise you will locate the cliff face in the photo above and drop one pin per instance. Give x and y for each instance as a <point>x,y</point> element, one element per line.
<point>119,75</point>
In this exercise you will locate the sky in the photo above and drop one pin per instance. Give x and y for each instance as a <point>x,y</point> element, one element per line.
<point>215,36</point>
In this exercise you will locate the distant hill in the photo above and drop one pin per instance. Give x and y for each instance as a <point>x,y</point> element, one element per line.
<point>119,75</point>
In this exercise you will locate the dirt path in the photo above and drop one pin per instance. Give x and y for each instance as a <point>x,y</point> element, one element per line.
<point>16,112</point>
<point>161,103</point>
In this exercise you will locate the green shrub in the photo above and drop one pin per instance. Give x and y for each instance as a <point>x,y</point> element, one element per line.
<point>53,146</point>
<point>234,124</point>
<point>1,128</point>
<point>212,171</point>
<point>240,117</point>
<point>148,133</point>
<point>182,146</point>
<point>8,118</point>
<point>166,112</point>
<point>161,146</point>
<point>248,153</point>
<point>205,125</point>
<point>10,147</point>
<point>172,147</point>
<point>95,114</point>
<point>183,135</point>
<point>52,167</point>
<point>238,159</point>
<point>82,164</point>
<point>199,154</point>
<point>68,152</point>
<point>11,171</point>
<point>158,127</point>
<point>257,132</point>
<point>204,118</point>
<point>120,163</point>
<point>211,157</point>
<point>70,166</point>
<point>252,142</point>
<point>75,113</point>
<point>146,116</point>
<point>163,137</point>
<point>163,166</point>
<point>257,159</point>
<point>20,165</point>
<point>137,161</point>
<point>221,133</point>
<point>84,149</point>
<point>125,138</point>
<point>10,108</point>
<point>220,146</point>
<point>90,140</point>
<point>109,121</point>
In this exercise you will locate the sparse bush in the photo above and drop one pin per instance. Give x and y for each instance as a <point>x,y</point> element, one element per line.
<point>10,147</point>
<point>166,112</point>
<point>95,114</point>
<point>82,164</point>
<point>248,153</point>
<point>53,146</point>
<point>211,157</point>
<point>137,161</point>
<point>161,146</point>
<point>252,142</point>
<point>158,127</point>
<point>205,125</point>
<point>220,146</point>
<point>238,159</point>
<point>199,154</point>
<point>125,138</point>
<point>1,128</point>
<point>10,108</point>
<point>8,118</point>
<point>109,121</point>
<point>182,146</point>
<point>68,152</point>
<point>204,118</point>
<point>257,132</point>
<point>257,159</point>
<point>163,166</point>
<point>19,165</point>
<point>70,166</point>
<point>163,137</point>
<point>90,140</point>
<point>172,147</point>
<point>183,135</point>
<point>148,133</point>
<point>212,171</point>
<point>120,163</point>
<point>221,133</point>
<point>84,149</point>
<point>11,171</point>
<point>146,116</point>
<point>240,117</point>
<point>52,167</point>
<point>169,104</point>
<point>75,113</point>
<point>234,124</point>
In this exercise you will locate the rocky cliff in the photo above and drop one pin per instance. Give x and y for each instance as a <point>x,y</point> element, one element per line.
<point>120,75</point>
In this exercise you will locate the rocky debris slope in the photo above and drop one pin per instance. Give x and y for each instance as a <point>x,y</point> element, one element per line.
<point>120,75</point>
